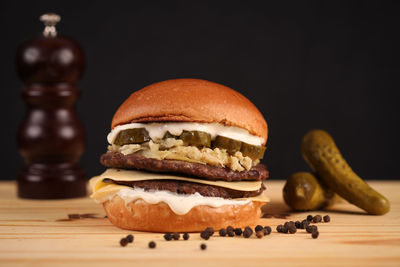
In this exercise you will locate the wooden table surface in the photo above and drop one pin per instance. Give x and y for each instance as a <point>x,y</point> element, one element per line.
<point>36,233</point>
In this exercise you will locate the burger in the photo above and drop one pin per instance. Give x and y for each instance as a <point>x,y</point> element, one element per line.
<point>183,155</point>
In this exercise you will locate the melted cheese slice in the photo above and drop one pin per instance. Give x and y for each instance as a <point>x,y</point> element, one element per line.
<point>133,176</point>
<point>103,191</point>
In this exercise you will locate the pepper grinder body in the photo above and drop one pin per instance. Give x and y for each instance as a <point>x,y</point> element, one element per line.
<point>51,138</point>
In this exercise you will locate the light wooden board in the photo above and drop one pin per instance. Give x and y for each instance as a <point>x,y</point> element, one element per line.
<point>32,234</point>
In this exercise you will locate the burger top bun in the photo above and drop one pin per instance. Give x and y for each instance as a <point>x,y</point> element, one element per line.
<point>191,100</point>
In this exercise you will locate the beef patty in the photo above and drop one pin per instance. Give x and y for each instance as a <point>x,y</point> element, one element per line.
<point>114,159</point>
<point>188,188</point>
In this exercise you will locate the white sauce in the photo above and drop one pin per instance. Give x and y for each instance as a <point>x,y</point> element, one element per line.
<point>157,131</point>
<point>179,204</point>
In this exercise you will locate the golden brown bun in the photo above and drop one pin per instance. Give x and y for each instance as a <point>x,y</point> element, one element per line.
<point>191,100</point>
<point>141,216</point>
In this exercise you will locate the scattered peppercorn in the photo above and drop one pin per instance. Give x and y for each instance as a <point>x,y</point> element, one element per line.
<point>123,242</point>
<point>317,219</point>
<point>279,228</point>
<point>222,232</point>
<point>304,224</point>
<point>297,224</point>
<point>176,236</point>
<point>152,244</point>
<point>315,234</point>
<point>229,231</point>
<point>327,218</point>
<point>168,236</point>
<point>259,234</point>
<point>311,228</point>
<point>238,231</point>
<point>309,218</point>
<point>285,229</point>
<point>267,230</point>
<point>129,238</point>
<point>292,229</point>
<point>185,236</point>
<point>203,246</point>
<point>247,232</point>
<point>258,228</point>
<point>209,230</point>
<point>205,235</point>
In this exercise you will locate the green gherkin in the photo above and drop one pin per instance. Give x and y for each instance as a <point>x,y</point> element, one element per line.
<point>196,138</point>
<point>132,136</point>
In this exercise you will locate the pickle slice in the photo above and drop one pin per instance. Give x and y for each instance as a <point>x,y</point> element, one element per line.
<point>196,138</point>
<point>132,136</point>
<point>169,135</point>
<point>229,144</point>
<point>251,151</point>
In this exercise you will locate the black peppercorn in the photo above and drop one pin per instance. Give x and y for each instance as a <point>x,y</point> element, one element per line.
<point>247,232</point>
<point>297,224</point>
<point>176,236</point>
<point>222,232</point>
<point>292,229</point>
<point>238,231</point>
<point>203,246</point>
<point>185,236</point>
<point>309,218</point>
<point>317,219</point>
<point>304,224</point>
<point>168,236</point>
<point>209,230</point>
<point>311,228</point>
<point>205,235</point>
<point>152,244</point>
<point>285,229</point>
<point>327,218</point>
<point>123,242</point>
<point>258,228</point>
<point>229,231</point>
<point>279,228</point>
<point>259,234</point>
<point>315,234</point>
<point>129,238</point>
<point>267,230</point>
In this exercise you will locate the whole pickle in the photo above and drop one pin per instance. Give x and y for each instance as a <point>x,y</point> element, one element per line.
<point>196,138</point>
<point>321,153</point>
<point>229,144</point>
<point>302,191</point>
<point>132,136</point>
<point>252,151</point>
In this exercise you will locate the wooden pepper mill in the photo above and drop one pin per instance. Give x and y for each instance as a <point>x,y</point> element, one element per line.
<point>51,138</point>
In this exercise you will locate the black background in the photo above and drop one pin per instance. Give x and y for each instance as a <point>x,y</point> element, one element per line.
<point>330,65</point>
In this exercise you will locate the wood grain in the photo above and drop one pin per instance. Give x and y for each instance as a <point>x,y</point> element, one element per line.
<point>38,233</point>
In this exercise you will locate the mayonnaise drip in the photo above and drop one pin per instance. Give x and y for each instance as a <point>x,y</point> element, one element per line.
<point>157,131</point>
<point>179,204</point>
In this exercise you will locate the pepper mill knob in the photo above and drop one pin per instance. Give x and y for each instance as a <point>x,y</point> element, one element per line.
<point>51,137</point>
<point>50,20</point>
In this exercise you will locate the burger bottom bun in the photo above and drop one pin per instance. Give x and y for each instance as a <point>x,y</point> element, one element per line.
<point>142,216</point>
